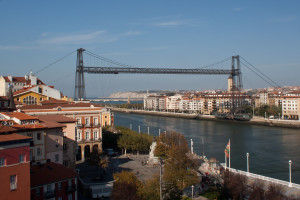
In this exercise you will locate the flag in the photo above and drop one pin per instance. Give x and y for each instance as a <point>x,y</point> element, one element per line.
<point>227,149</point>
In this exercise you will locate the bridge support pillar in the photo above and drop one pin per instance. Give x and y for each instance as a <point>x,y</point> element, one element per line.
<point>79,79</point>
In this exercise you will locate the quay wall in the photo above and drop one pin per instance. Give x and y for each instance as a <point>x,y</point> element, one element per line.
<point>254,120</point>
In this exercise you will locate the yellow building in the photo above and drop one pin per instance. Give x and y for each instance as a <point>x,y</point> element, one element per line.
<point>29,97</point>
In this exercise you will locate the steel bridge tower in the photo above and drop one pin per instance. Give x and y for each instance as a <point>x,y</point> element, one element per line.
<point>79,78</point>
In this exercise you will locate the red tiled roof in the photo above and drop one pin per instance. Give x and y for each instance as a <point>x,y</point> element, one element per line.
<point>54,101</point>
<point>3,98</point>
<point>48,173</point>
<point>12,137</point>
<point>18,115</point>
<point>52,124</point>
<point>55,118</point>
<point>22,80</point>
<point>6,129</point>
<point>52,106</point>
<point>28,126</point>
<point>23,90</point>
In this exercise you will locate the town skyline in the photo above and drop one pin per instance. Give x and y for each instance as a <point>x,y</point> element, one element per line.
<point>150,34</point>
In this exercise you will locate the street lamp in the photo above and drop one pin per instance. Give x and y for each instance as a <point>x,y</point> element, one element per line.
<point>247,164</point>
<point>290,172</point>
<point>192,192</point>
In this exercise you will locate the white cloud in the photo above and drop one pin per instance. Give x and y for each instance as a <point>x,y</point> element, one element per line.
<point>74,39</point>
<point>130,33</point>
<point>156,48</point>
<point>10,47</point>
<point>170,23</point>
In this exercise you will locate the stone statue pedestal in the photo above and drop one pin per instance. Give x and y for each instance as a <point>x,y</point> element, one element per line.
<point>153,160</point>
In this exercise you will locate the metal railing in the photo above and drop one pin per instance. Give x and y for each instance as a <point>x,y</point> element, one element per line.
<point>264,178</point>
<point>49,194</point>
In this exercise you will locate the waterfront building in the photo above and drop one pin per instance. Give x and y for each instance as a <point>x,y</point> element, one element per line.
<point>291,105</point>
<point>90,118</point>
<point>14,165</point>
<point>172,102</point>
<point>53,181</point>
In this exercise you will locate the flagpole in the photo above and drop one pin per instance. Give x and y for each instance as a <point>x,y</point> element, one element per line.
<point>225,161</point>
<point>229,151</point>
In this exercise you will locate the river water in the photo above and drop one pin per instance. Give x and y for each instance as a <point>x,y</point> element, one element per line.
<point>269,148</point>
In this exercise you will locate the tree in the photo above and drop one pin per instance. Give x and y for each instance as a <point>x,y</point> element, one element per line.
<point>124,191</point>
<point>257,191</point>
<point>150,190</point>
<point>234,185</point>
<point>275,192</point>
<point>179,170</point>
<point>126,186</point>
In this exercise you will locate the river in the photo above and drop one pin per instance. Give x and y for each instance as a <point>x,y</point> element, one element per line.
<point>269,148</point>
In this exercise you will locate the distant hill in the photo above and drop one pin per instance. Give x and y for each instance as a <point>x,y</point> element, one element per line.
<point>137,94</point>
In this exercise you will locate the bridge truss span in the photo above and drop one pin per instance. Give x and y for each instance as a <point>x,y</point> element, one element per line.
<point>120,70</point>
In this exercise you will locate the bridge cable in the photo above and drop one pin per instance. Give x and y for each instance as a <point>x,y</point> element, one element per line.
<point>226,59</point>
<point>264,79</point>
<point>261,72</point>
<point>66,76</point>
<point>108,60</point>
<point>55,62</point>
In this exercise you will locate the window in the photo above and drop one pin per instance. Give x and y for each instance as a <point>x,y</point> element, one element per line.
<point>65,146</point>
<point>79,136</point>
<point>78,121</point>
<point>56,142</point>
<point>22,158</point>
<point>59,185</point>
<point>95,135</point>
<point>38,152</point>
<point>37,192</point>
<point>48,188</point>
<point>96,121</point>
<point>87,120</point>
<point>56,157</point>
<point>29,135</point>
<point>29,100</point>
<point>2,162</point>
<point>13,182</point>
<point>87,135</point>
<point>70,196</point>
<point>39,136</point>
<point>59,198</point>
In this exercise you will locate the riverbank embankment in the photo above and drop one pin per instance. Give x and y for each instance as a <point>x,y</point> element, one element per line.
<point>255,120</point>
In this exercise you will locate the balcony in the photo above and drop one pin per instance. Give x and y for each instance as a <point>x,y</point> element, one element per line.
<point>79,125</point>
<point>89,140</point>
<point>88,125</point>
<point>49,194</point>
<point>96,125</point>
<point>71,188</point>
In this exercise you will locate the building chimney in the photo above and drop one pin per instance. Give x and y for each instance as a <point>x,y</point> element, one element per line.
<point>9,78</point>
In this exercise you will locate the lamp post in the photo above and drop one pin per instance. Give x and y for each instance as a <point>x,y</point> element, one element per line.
<point>139,129</point>
<point>290,173</point>
<point>192,192</point>
<point>148,130</point>
<point>247,164</point>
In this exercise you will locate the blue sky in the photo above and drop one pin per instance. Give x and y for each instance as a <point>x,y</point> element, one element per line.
<point>177,34</point>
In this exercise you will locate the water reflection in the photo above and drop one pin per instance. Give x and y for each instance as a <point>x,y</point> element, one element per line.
<point>269,148</point>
